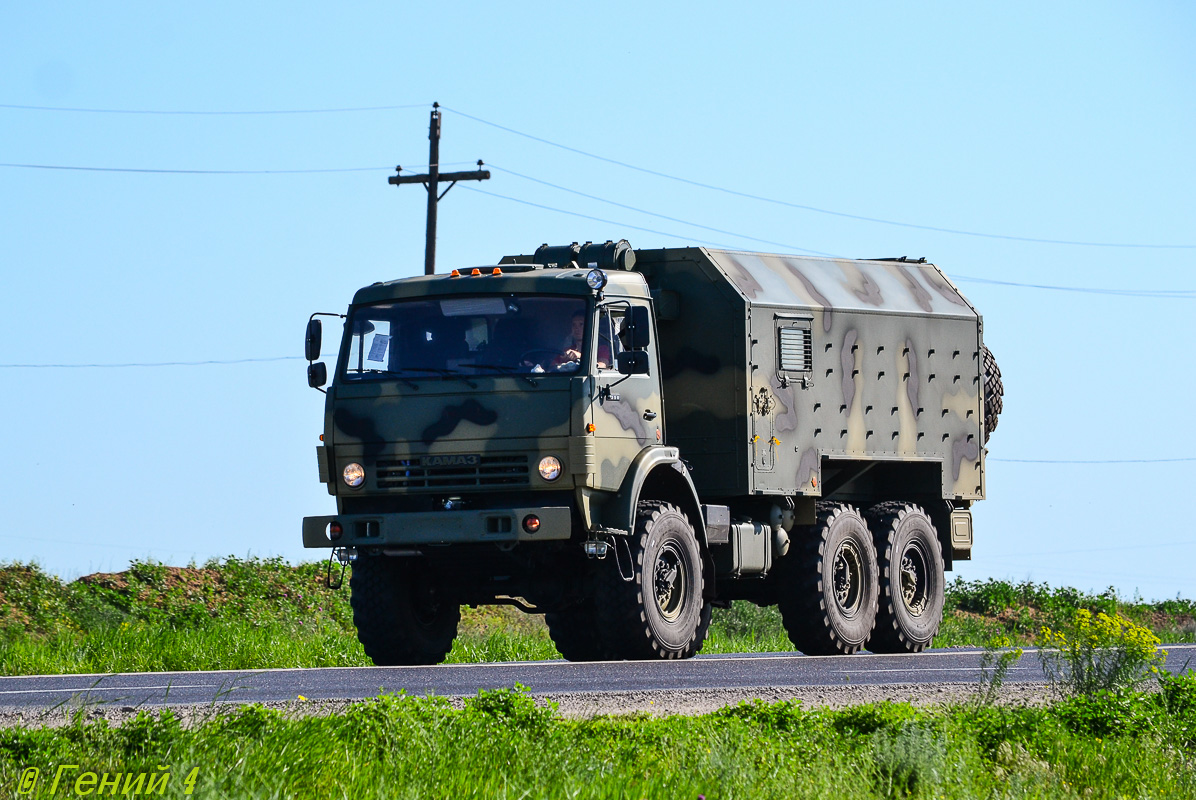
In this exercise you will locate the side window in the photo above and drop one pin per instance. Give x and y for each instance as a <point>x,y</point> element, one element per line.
<point>795,348</point>
<point>611,320</point>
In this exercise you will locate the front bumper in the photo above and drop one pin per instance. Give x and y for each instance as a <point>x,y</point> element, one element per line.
<point>439,527</point>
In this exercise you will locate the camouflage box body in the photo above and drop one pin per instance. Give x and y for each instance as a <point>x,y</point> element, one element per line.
<point>777,369</point>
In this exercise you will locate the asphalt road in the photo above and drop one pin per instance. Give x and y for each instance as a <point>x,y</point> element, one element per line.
<point>766,670</point>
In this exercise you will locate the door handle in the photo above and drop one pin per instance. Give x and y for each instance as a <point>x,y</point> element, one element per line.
<point>649,415</point>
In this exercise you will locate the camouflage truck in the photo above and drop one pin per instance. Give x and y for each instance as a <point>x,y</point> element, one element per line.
<point>622,439</point>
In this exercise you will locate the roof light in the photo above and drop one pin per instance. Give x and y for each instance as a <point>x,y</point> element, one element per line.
<point>596,279</point>
<point>455,273</point>
<point>476,271</point>
<point>496,271</point>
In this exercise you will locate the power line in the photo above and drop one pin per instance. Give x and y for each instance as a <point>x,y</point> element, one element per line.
<point>1184,294</point>
<point>212,113</point>
<point>712,187</point>
<point>223,171</point>
<point>123,169</point>
<point>1091,461</point>
<point>219,171</point>
<point>654,214</point>
<point>1176,293</point>
<point>157,363</point>
<point>587,216</point>
<point>775,201</point>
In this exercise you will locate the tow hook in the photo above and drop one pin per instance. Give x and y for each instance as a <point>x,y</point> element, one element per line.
<point>346,556</point>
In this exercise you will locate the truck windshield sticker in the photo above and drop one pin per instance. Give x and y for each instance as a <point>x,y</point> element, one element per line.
<point>378,348</point>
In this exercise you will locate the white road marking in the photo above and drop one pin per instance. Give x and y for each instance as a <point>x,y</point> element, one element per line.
<point>85,689</point>
<point>925,669</point>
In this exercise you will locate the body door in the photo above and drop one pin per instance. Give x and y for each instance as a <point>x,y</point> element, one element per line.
<point>782,364</point>
<point>626,410</point>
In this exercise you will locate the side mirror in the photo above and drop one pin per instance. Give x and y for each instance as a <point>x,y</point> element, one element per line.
<point>632,362</point>
<point>317,374</point>
<point>640,329</point>
<point>311,344</point>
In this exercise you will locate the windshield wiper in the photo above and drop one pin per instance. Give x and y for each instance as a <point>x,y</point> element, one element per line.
<point>448,373</point>
<point>508,371</point>
<point>407,381</point>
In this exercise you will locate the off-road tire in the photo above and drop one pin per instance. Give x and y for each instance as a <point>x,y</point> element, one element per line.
<point>399,618</point>
<point>660,613</point>
<point>576,634</point>
<point>911,578</point>
<point>994,393</point>
<point>827,585</point>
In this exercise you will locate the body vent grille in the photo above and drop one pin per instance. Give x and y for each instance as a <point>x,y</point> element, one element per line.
<point>408,473</point>
<point>797,354</point>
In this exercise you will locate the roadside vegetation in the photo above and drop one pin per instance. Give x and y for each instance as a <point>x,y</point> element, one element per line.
<point>1115,726</point>
<point>260,613</point>
<point>504,744</point>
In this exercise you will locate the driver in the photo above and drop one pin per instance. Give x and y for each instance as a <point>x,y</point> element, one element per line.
<point>570,357</point>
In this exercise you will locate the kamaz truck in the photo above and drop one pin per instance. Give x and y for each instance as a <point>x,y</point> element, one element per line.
<point>623,439</point>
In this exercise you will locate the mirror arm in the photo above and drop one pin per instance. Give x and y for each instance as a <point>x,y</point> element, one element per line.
<point>323,314</point>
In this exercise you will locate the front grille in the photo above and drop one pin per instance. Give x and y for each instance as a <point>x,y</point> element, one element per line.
<point>407,473</point>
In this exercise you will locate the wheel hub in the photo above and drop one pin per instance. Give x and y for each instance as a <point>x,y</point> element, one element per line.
<point>914,579</point>
<point>669,582</point>
<point>848,578</point>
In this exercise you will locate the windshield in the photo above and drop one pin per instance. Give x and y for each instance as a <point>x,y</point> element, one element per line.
<point>494,334</point>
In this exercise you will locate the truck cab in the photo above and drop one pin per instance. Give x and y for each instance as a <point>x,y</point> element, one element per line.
<point>478,423</point>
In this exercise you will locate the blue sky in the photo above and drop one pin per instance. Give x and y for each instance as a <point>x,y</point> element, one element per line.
<point>1069,121</point>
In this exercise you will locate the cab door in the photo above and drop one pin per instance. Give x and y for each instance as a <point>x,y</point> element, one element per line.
<point>627,412</point>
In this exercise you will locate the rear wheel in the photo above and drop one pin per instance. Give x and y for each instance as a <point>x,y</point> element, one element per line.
<point>911,578</point>
<point>827,588</point>
<point>660,612</point>
<point>400,617</point>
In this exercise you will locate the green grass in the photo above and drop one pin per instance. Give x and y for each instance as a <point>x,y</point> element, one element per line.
<point>261,613</point>
<point>503,745</point>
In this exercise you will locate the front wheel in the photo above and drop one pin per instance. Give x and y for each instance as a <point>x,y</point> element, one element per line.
<point>827,588</point>
<point>911,578</point>
<point>575,632</point>
<point>660,612</point>
<point>401,618</point>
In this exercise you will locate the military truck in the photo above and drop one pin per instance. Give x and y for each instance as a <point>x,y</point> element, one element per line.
<point>623,439</point>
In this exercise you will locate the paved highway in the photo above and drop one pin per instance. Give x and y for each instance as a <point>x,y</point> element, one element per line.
<point>761,670</point>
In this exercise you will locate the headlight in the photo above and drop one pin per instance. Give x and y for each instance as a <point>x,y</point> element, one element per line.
<point>550,468</point>
<point>354,474</point>
<point>596,279</point>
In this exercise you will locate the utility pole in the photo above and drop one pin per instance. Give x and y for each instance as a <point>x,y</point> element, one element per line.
<point>431,180</point>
